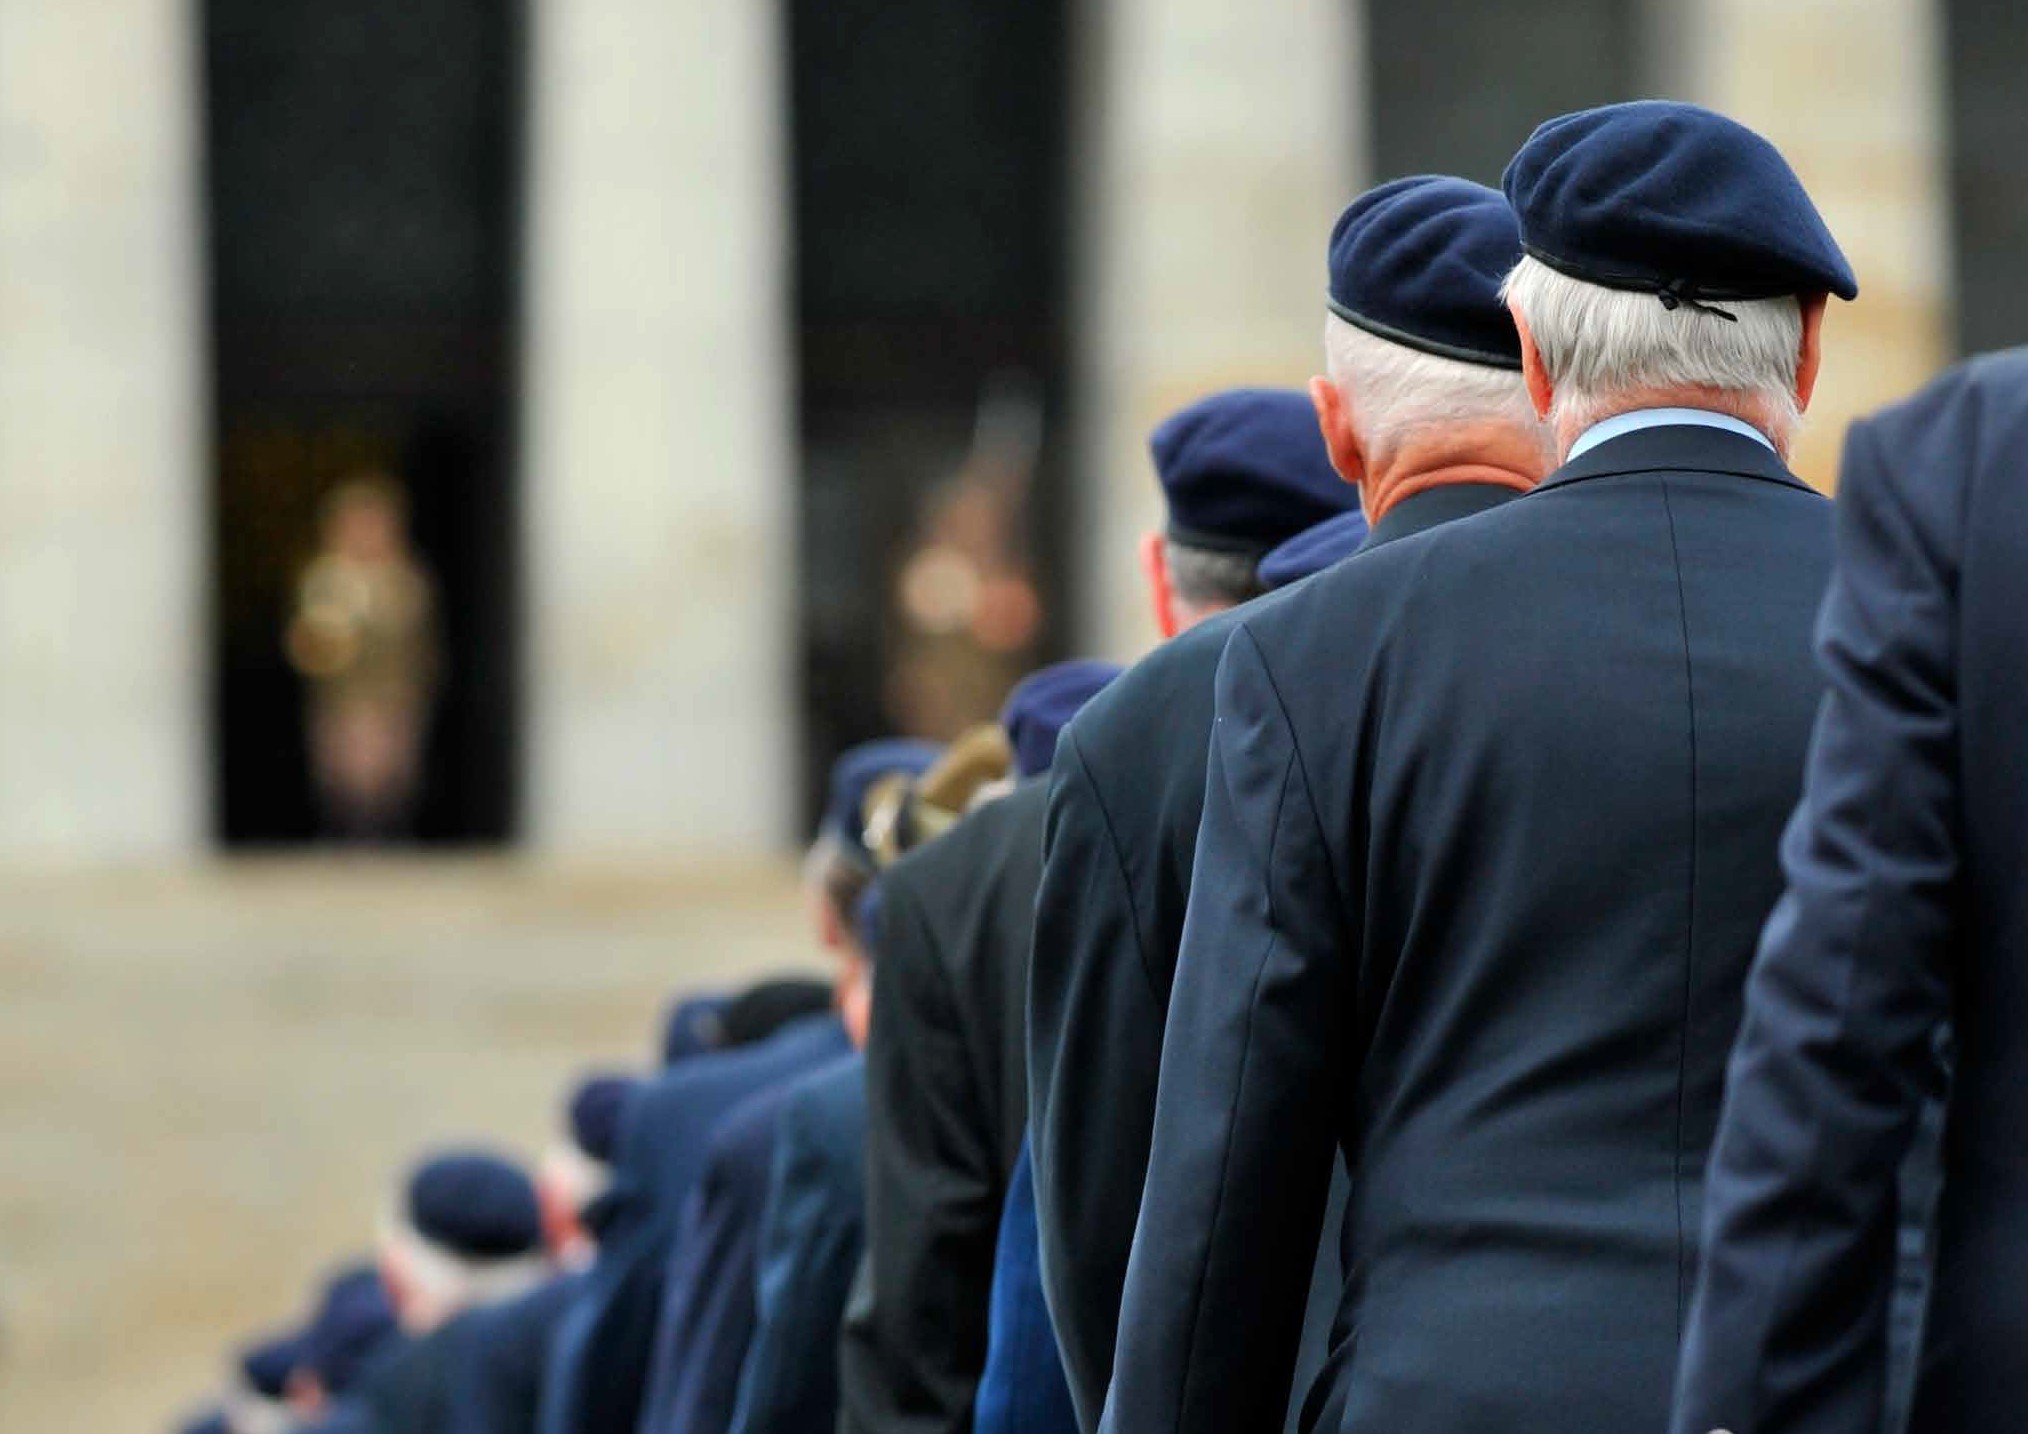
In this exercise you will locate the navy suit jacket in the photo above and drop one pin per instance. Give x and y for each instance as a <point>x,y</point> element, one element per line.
<point>1489,829</point>
<point>1125,795</point>
<point>707,1318</point>
<point>1907,902</point>
<point>1022,1390</point>
<point>947,1098</point>
<point>813,1233</point>
<point>599,1357</point>
<point>496,1371</point>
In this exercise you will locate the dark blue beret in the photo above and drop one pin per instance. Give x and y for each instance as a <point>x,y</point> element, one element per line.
<point>854,774</point>
<point>1670,199</point>
<point>596,1109</point>
<point>866,919</point>
<point>1419,262</point>
<point>475,1204</point>
<point>1043,702</point>
<point>213,1422</point>
<point>1313,550</point>
<point>266,1366</point>
<point>354,1320</point>
<point>695,1026</point>
<point>1244,469</point>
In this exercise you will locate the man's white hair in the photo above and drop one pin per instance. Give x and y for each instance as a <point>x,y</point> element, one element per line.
<point>1602,346</point>
<point>1395,391</point>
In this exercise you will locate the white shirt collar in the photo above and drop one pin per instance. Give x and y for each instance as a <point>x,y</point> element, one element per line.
<point>1637,419</point>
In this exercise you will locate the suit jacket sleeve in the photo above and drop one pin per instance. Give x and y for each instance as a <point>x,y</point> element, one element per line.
<point>1833,1058</point>
<point>1094,1051</point>
<point>1251,1071</point>
<point>912,1350</point>
<point>810,1245</point>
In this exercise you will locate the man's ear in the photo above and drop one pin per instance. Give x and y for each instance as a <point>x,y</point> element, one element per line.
<point>1810,352</point>
<point>1334,421</point>
<point>1155,568</point>
<point>1533,374</point>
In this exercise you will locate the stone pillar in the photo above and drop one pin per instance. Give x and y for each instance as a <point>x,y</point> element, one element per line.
<point>658,460</point>
<point>1216,143</point>
<point>1852,92</point>
<point>101,433</point>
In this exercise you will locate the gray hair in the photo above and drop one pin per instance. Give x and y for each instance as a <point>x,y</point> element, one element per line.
<point>1208,577</point>
<point>1394,390</point>
<point>1600,346</point>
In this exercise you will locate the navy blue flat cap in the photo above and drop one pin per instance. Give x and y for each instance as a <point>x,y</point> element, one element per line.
<point>695,1026</point>
<point>475,1204</point>
<point>1043,702</point>
<point>1244,469</point>
<point>267,1365</point>
<point>1419,262</point>
<point>596,1110</point>
<point>354,1320</point>
<point>853,776</point>
<point>211,1423</point>
<point>1673,200</point>
<point>1313,550</point>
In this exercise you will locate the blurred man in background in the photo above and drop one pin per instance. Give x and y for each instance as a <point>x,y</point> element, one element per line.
<point>1404,351</point>
<point>364,640</point>
<point>1487,837</point>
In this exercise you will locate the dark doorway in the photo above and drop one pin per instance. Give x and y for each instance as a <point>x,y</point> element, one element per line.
<point>929,183</point>
<point>363,179</point>
<point>1457,85</point>
<point>1987,50</point>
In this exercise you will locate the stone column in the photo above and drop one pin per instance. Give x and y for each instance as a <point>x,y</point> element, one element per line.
<point>658,460</point>
<point>101,433</point>
<point>1852,92</point>
<point>1216,143</point>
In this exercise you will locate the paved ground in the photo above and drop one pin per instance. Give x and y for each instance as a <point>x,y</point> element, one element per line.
<point>208,1079</point>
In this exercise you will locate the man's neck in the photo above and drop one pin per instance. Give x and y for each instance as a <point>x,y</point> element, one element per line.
<point>1744,407</point>
<point>1504,458</point>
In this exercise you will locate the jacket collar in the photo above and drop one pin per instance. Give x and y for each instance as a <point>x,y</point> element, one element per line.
<point>1434,506</point>
<point>1676,448</point>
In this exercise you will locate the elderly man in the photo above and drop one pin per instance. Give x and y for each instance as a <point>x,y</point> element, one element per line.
<point>1906,905</point>
<point>1480,872</point>
<point>1416,337</point>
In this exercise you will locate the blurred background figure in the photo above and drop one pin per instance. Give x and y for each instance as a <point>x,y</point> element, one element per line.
<point>364,640</point>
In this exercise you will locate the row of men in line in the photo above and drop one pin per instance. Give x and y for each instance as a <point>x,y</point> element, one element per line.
<point>452,1324</point>
<point>1329,1027</point>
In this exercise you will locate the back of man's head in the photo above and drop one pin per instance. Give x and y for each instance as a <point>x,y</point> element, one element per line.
<point>1242,471</point>
<point>1422,360</point>
<point>1673,260</point>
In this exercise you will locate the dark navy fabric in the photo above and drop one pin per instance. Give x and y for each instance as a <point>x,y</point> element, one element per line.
<point>767,1006</point>
<point>707,1319</point>
<point>1022,1390</point>
<point>497,1369</point>
<point>947,1105</point>
<point>1043,701</point>
<point>354,1320</point>
<point>1124,801</point>
<point>1671,199</point>
<point>1906,904</point>
<point>599,1357</point>
<point>1419,262</point>
<point>1245,469</point>
<point>1313,550</point>
<point>596,1109</point>
<point>346,1417</point>
<point>813,1233</point>
<point>475,1204</point>
<point>212,1423</point>
<point>1489,827</point>
<point>267,1365</point>
<point>407,1388</point>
